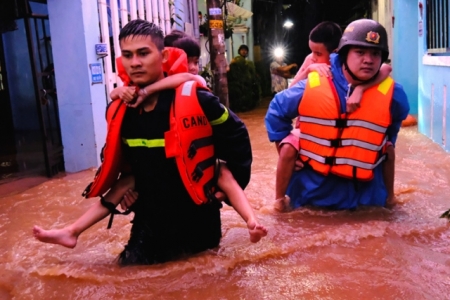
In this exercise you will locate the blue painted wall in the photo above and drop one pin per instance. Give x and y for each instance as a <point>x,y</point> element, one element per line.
<point>424,77</point>
<point>405,52</point>
<point>434,109</point>
<point>74,26</point>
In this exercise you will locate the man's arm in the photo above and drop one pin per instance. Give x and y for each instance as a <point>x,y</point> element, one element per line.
<point>230,137</point>
<point>284,71</point>
<point>282,109</point>
<point>399,111</point>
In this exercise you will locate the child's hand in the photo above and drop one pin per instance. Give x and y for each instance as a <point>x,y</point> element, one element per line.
<point>322,69</point>
<point>141,95</point>
<point>127,93</point>
<point>353,102</point>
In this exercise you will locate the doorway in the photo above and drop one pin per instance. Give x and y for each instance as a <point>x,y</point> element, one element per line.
<point>29,117</point>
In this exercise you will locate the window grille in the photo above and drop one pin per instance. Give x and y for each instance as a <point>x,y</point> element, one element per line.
<point>438,26</point>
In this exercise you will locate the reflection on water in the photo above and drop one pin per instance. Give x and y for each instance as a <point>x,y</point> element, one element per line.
<point>370,253</point>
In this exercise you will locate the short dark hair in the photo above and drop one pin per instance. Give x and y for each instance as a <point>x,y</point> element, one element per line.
<point>327,33</point>
<point>188,45</point>
<point>143,28</point>
<point>173,36</point>
<point>242,47</point>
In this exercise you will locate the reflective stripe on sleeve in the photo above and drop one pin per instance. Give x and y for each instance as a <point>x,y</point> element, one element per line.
<point>221,119</point>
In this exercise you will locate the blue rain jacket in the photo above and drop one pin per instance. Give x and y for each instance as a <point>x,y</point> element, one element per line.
<point>308,187</point>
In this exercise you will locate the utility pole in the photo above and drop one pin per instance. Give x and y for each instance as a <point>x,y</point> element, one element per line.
<point>217,50</point>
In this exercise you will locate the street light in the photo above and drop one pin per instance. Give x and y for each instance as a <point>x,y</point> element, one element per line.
<point>278,52</point>
<point>288,24</point>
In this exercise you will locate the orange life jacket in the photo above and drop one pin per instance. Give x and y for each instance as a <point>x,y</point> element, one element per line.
<point>348,145</point>
<point>189,141</point>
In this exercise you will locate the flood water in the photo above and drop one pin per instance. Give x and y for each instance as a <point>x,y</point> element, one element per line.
<point>370,253</point>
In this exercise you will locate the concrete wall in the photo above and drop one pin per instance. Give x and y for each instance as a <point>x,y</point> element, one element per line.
<point>74,27</point>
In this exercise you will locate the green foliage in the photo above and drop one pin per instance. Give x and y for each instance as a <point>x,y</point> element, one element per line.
<point>243,85</point>
<point>207,75</point>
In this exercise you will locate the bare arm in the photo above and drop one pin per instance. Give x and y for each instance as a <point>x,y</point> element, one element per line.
<point>126,93</point>
<point>170,82</point>
<point>284,71</point>
<point>309,66</point>
<point>286,68</point>
<point>354,100</point>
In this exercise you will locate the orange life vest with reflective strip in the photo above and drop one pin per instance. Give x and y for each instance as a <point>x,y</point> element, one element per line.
<point>189,141</point>
<point>350,145</point>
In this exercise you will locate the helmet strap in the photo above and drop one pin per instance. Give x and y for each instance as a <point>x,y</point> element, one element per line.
<point>354,77</point>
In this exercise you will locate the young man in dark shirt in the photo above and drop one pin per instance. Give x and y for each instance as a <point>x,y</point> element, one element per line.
<point>146,149</point>
<point>167,222</point>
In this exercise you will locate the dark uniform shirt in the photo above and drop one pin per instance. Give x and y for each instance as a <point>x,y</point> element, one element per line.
<point>167,222</point>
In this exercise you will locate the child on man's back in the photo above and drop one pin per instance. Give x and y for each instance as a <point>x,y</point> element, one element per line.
<point>323,41</point>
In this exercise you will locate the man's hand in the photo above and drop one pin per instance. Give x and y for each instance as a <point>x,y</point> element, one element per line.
<point>128,199</point>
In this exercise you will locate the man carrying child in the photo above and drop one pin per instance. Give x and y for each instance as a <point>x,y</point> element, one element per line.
<point>343,152</point>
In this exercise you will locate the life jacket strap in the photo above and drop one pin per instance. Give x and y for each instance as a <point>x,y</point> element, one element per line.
<point>197,174</point>
<point>199,143</point>
<point>112,209</point>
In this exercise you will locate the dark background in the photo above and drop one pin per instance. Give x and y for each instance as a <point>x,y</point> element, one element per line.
<point>269,16</point>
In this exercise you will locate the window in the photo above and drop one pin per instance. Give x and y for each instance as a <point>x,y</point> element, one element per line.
<point>438,29</point>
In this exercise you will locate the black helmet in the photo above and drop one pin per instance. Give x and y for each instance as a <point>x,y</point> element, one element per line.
<point>366,33</point>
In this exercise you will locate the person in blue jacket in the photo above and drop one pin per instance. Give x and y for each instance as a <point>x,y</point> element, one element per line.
<point>362,49</point>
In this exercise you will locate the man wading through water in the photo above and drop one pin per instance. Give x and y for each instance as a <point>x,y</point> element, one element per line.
<point>178,143</point>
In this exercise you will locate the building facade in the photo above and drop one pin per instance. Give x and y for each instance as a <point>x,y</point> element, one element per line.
<point>422,63</point>
<point>57,67</point>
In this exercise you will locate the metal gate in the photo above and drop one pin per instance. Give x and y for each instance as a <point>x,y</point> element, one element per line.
<point>114,14</point>
<point>39,47</point>
<point>29,97</point>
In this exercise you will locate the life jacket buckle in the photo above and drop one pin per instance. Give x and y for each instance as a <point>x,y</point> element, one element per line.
<point>192,151</point>
<point>197,174</point>
<point>341,123</point>
<point>330,160</point>
<point>335,143</point>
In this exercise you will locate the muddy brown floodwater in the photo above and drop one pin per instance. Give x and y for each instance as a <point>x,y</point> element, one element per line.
<point>370,253</point>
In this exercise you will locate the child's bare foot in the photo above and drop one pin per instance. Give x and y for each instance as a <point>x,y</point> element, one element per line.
<point>256,231</point>
<point>283,204</point>
<point>63,237</point>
